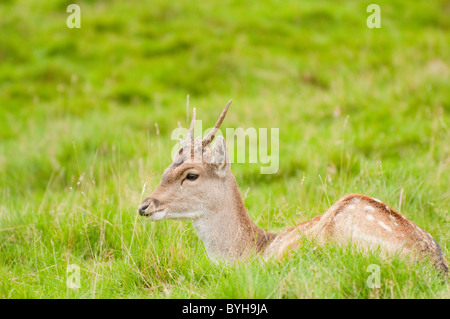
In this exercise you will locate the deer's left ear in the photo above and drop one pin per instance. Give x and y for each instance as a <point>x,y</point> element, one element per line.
<point>220,158</point>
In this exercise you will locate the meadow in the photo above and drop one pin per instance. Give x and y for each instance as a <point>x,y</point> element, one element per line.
<point>86,117</point>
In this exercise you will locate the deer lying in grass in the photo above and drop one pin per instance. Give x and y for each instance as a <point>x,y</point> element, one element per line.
<point>199,186</point>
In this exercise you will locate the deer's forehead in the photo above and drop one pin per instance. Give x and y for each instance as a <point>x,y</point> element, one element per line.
<point>177,169</point>
<point>173,172</point>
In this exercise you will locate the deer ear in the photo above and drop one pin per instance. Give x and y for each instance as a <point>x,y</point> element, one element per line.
<point>220,158</point>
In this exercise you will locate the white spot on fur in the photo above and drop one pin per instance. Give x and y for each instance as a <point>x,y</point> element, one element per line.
<point>387,208</point>
<point>433,244</point>
<point>376,199</point>
<point>421,231</point>
<point>354,229</point>
<point>351,206</point>
<point>369,208</point>
<point>355,200</point>
<point>384,226</point>
<point>393,220</point>
<point>369,217</point>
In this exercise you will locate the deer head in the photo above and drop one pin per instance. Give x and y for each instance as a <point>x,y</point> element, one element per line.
<point>195,180</point>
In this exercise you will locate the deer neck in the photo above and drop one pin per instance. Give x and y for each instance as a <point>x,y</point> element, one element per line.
<point>226,229</point>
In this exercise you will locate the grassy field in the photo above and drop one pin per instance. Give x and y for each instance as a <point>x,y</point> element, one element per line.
<point>359,110</point>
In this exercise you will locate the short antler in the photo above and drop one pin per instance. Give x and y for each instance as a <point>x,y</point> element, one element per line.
<point>191,133</point>
<point>208,138</point>
<point>190,136</point>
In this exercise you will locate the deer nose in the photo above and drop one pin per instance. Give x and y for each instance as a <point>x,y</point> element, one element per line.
<point>142,209</point>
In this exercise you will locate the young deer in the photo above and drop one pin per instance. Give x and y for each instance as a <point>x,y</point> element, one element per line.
<point>199,186</point>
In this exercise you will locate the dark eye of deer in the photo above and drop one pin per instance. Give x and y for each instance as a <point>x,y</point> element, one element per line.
<point>191,177</point>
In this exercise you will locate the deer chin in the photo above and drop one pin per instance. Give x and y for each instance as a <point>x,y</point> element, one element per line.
<point>158,215</point>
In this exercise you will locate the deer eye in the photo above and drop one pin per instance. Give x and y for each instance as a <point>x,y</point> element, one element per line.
<point>191,177</point>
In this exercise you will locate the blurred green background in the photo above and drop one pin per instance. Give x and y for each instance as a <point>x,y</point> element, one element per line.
<point>359,110</point>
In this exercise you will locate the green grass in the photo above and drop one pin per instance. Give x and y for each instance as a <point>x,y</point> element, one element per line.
<point>359,110</point>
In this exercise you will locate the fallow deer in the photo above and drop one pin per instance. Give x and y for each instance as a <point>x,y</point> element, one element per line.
<point>200,186</point>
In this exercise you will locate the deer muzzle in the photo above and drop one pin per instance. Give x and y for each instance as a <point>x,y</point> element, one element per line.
<point>151,207</point>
